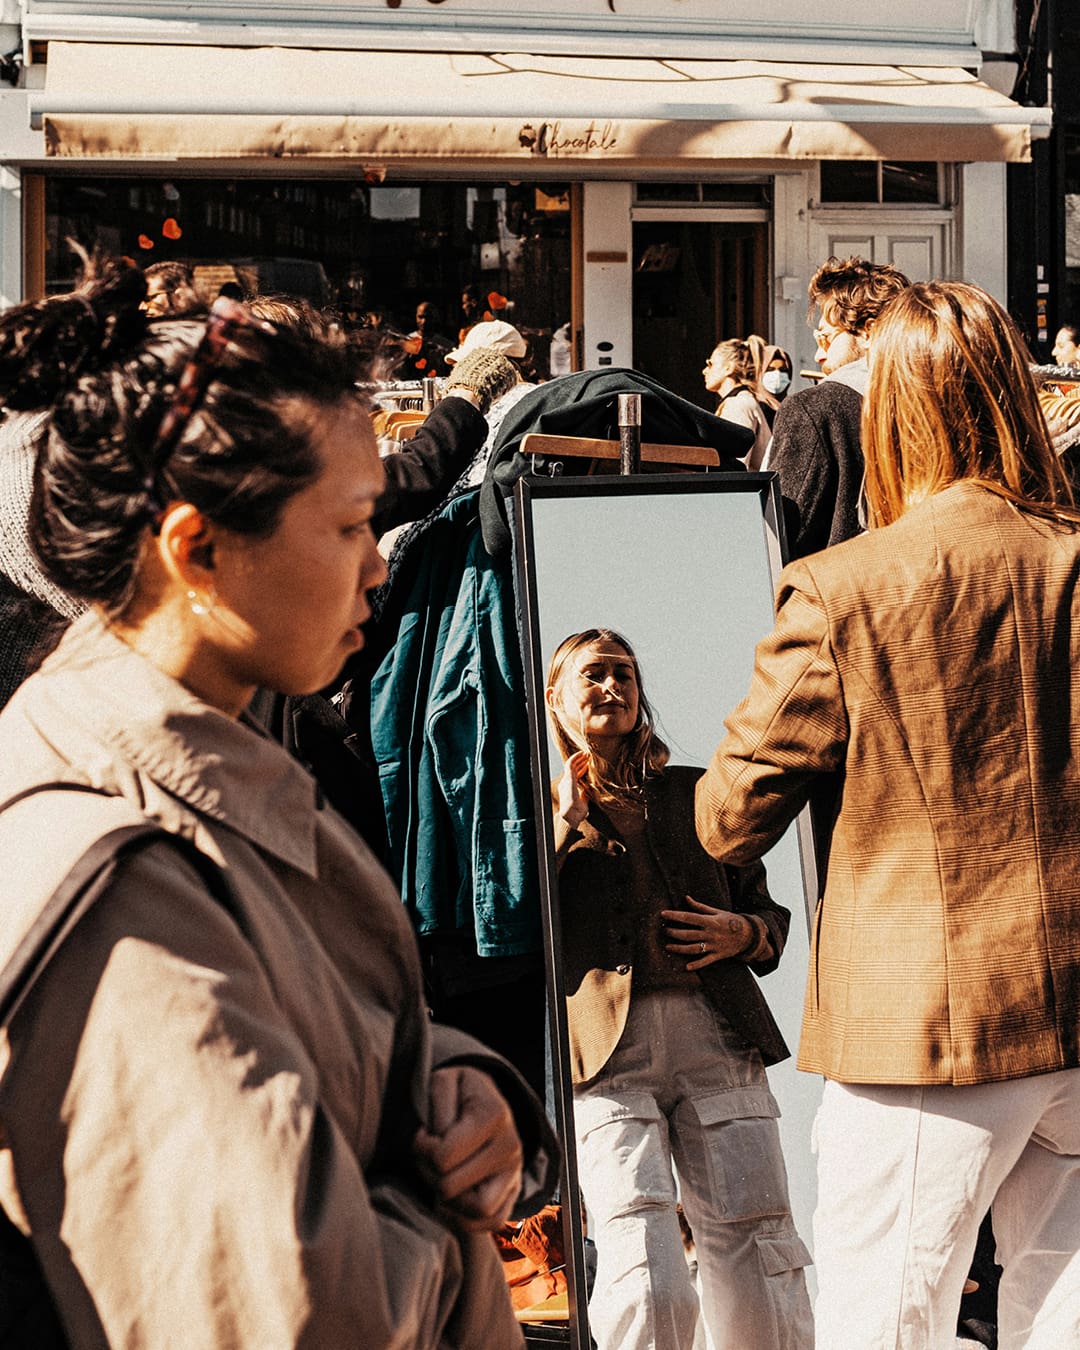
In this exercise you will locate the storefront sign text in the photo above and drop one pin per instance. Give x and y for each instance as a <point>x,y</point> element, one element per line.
<point>548,138</point>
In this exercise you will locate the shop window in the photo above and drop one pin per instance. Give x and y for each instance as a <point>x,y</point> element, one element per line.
<point>1068,304</point>
<point>367,251</point>
<point>394,203</point>
<point>712,194</point>
<point>902,182</point>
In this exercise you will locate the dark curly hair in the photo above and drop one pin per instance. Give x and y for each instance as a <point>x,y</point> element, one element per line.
<point>109,376</point>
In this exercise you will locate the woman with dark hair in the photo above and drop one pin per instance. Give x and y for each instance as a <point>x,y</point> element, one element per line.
<point>221,1121</point>
<point>669,1032</point>
<point>930,665</point>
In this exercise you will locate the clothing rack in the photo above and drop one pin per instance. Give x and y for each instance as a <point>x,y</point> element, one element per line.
<point>542,446</point>
<point>628,449</point>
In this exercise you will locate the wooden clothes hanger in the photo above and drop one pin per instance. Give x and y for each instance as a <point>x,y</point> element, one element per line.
<point>540,445</point>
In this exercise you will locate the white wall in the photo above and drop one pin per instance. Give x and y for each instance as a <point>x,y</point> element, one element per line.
<point>983,228</point>
<point>11,278</point>
<point>608,281</point>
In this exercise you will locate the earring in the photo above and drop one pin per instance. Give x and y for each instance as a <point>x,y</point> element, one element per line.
<point>201,604</point>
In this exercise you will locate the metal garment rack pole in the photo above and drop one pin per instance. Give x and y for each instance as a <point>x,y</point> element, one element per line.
<point>629,433</point>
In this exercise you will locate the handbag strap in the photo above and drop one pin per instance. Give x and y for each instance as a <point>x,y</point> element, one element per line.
<point>84,885</point>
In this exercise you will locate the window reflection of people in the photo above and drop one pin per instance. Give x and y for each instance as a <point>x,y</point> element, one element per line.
<point>669,1033</point>
<point>425,347</point>
<point>1066,350</point>
<point>932,663</point>
<point>170,290</point>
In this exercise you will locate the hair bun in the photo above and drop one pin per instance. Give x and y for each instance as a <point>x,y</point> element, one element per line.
<point>45,345</point>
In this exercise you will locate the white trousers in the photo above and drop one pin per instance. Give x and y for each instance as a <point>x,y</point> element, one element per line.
<point>905,1175</point>
<point>681,1088</point>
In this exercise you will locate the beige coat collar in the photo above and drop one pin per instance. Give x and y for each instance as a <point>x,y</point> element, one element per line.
<point>137,732</point>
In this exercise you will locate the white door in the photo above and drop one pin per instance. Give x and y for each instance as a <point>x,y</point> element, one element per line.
<point>920,249</point>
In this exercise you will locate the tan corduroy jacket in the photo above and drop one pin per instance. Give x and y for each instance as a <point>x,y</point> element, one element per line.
<point>209,1134</point>
<point>935,665</point>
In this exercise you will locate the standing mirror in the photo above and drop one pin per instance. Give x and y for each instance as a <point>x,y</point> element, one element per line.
<point>684,568</point>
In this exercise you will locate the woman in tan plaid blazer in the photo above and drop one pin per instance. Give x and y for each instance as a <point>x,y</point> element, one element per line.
<point>928,666</point>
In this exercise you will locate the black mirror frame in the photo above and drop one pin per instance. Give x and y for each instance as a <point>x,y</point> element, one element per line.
<point>528,489</point>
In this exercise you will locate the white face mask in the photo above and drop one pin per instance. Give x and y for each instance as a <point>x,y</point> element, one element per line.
<point>775,381</point>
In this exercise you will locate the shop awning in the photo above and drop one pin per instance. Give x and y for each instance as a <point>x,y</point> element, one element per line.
<point>177,103</point>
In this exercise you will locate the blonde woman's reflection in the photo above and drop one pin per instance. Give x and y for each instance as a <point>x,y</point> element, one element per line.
<point>669,1032</point>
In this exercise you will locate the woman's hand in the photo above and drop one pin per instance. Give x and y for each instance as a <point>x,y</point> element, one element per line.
<point>573,803</point>
<point>704,934</point>
<point>471,1155</point>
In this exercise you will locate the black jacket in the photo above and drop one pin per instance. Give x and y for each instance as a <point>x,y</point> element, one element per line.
<point>817,454</point>
<point>586,404</point>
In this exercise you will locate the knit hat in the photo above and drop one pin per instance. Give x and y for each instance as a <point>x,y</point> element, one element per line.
<point>504,337</point>
<point>487,373</point>
<point>21,434</point>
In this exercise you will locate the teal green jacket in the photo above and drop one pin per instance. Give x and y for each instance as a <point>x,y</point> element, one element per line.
<point>450,735</point>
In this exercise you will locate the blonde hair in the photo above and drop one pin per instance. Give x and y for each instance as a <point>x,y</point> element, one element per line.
<point>642,754</point>
<point>951,398</point>
<point>738,357</point>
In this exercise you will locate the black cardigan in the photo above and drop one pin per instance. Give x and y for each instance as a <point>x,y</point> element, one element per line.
<point>817,454</point>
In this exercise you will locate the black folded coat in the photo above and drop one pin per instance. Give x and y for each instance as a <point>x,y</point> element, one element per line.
<point>586,404</point>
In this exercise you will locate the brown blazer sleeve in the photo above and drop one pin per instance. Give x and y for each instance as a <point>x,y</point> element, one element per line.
<point>790,728</point>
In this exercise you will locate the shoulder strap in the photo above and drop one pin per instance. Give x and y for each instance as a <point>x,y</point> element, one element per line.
<point>83,886</point>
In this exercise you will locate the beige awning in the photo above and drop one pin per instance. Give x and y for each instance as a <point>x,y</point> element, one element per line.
<point>196,103</point>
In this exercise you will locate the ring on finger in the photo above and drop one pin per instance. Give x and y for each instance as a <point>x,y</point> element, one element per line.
<point>703,949</point>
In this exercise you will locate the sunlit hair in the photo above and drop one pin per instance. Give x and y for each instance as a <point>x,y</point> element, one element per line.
<point>951,397</point>
<point>737,358</point>
<point>851,292</point>
<point>757,347</point>
<point>642,754</point>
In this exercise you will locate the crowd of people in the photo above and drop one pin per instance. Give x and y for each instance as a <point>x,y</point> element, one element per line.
<point>227,1117</point>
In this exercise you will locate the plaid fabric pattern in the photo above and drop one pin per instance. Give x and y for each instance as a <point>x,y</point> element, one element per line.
<point>931,663</point>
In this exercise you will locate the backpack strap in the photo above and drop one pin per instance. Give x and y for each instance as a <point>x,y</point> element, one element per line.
<point>82,888</point>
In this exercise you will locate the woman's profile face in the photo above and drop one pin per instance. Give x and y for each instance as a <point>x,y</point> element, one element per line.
<point>598,693</point>
<point>1066,352</point>
<point>293,603</point>
<point>715,371</point>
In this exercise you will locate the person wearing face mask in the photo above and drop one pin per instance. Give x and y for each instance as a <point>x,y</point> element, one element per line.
<point>816,448</point>
<point>774,381</point>
<point>669,1032</point>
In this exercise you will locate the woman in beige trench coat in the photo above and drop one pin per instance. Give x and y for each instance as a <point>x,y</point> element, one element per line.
<point>224,1129</point>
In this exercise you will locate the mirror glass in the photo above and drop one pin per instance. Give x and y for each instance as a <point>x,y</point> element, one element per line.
<point>684,567</point>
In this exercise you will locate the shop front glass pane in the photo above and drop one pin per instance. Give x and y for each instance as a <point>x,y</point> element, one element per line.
<point>910,181</point>
<point>366,250</point>
<point>849,180</point>
<point>1068,304</point>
